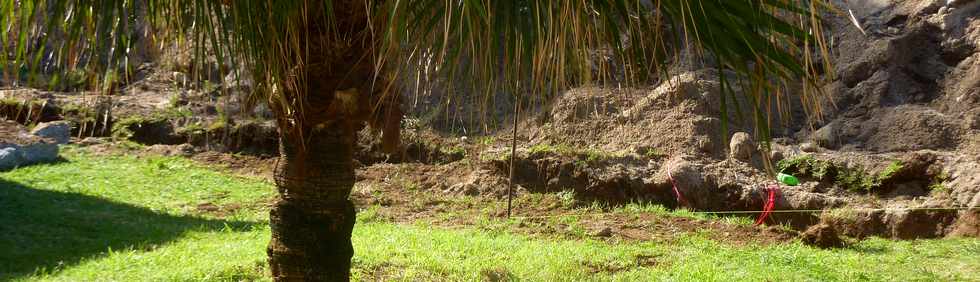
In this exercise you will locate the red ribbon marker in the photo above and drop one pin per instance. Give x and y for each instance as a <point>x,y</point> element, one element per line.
<point>769,205</point>
<point>677,193</point>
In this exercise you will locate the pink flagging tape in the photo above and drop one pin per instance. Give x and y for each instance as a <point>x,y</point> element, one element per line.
<point>769,205</point>
<point>677,193</point>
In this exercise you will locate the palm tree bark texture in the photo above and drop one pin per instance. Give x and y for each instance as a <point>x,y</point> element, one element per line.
<point>313,218</point>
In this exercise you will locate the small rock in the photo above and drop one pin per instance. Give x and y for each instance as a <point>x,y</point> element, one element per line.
<point>605,232</point>
<point>466,188</point>
<point>741,146</point>
<point>809,147</point>
<point>9,158</point>
<point>822,235</point>
<point>826,136</point>
<point>59,131</point>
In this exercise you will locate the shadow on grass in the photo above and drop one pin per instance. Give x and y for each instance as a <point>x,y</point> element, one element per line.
<point>58,160</point>
<point>41,229</point>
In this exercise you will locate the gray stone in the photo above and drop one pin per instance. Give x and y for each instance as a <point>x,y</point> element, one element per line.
<point>39,152</point>
<point>9,158</point>
<point>826,136</point>
<point>59,131</point>
<point>741,146</point>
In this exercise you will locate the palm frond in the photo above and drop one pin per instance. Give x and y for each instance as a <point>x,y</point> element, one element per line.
<point>541,47</point>
<point>763,46</point>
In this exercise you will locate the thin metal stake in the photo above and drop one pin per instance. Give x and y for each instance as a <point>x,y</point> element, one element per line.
<point>513,155</point>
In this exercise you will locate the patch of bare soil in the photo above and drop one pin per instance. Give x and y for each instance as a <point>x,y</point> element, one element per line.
<point>217,210</point>
<point>246,165</point>
<point>13,133</point>
<point>408,193</point>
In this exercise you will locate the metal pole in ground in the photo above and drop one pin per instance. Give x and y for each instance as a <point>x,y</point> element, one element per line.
<point>513,155</point>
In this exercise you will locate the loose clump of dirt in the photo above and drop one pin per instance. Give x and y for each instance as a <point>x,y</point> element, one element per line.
<point>822,235</point>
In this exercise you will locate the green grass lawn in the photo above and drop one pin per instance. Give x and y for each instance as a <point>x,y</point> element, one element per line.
<point>137,219</point>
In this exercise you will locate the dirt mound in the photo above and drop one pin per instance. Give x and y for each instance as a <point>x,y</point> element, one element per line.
<point>678,117</point>
<point>911,82</point>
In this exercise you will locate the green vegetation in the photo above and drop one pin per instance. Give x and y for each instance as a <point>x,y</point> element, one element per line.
<point>217,125</point>
<point>893,168</point>
<point>194,128</point>
<point>854,178</point>
<point>121,129</point>
<point>79,113</point>
<point>24,110</point>
<point>938,182</point>
<point>567,198</point>
<point>545,148</point>
<point>176,112</point>
<point>486,140</point>
<point>457,150</point>
<point>654,153</point>
<point>10,102</point>
<point>143,219</point>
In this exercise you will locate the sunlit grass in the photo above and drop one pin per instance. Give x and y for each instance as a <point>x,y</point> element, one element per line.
<point>130,219</point>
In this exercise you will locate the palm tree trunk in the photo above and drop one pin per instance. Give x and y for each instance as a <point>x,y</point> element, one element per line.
<point>313,218</point>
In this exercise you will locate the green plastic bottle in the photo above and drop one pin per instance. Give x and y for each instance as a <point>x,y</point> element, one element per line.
<point>787,179</point>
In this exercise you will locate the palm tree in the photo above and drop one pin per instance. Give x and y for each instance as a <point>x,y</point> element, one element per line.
<point>327,67</point>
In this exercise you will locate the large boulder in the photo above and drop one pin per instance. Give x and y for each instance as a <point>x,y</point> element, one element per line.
<point>59,131</point>
<point>39,152</point>
<point>9,158</point>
